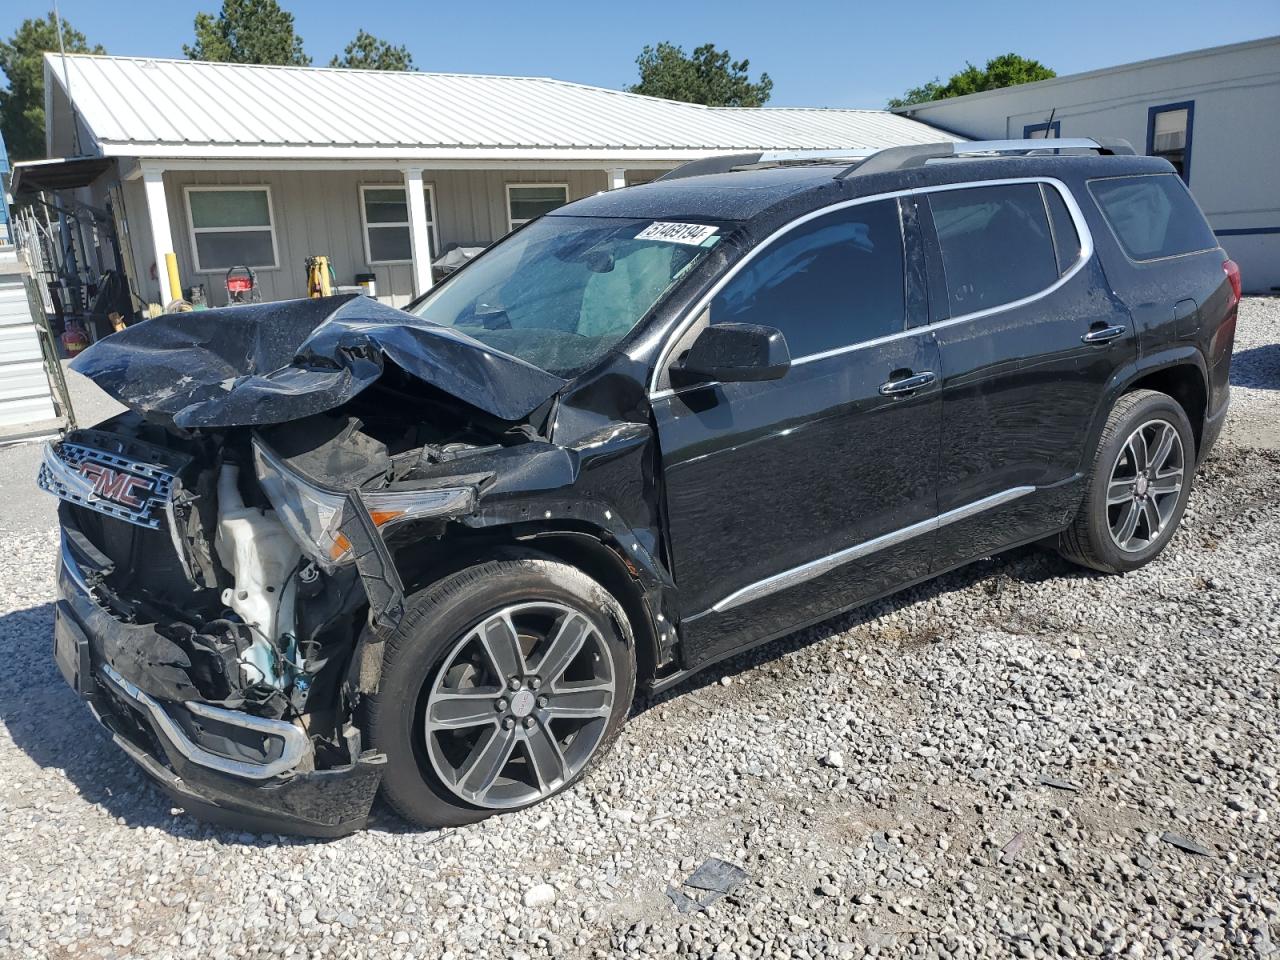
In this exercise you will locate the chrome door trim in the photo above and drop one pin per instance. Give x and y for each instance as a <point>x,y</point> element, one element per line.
<point>692,314</point>
<point>816,568</point>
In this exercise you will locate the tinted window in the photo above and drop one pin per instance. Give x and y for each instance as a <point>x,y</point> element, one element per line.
<point>1066,240</point>
<point>1153,215</point>
<point>829,283</point>
<point>996,246</point>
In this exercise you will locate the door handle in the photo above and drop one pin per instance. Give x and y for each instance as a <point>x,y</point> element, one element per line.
<point>898,388</point>
<point>1104,334</point>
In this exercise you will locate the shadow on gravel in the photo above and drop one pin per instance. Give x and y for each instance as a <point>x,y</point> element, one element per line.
<point>1023,565</point>
<point>50,724</point>
<point>1258,368</point>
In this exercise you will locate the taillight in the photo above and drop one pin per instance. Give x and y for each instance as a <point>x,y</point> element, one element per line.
<point>1232,270</point>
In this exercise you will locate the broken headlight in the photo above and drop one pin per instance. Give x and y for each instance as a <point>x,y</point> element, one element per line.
<point>314,514</point>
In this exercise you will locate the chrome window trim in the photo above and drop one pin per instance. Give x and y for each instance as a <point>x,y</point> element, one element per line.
<point>816,568</point>
<point>692,314</point>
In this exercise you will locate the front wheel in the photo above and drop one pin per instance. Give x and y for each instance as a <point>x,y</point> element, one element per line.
<point>1138,488</point>
<point>502,685</point>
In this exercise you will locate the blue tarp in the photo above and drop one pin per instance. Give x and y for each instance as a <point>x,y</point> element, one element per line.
<point>4,182</point>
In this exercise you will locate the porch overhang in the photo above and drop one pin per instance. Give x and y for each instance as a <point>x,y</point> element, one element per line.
<point>59,173</point>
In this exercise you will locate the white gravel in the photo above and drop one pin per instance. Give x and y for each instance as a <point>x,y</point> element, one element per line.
<point>1017,759</point>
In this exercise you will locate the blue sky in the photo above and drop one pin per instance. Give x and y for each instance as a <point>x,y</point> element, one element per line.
<point>819,53</point>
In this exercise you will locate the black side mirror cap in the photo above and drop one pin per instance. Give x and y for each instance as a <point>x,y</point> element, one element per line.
<point>733,353</point>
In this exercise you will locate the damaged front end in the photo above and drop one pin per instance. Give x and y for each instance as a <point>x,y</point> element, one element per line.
<point>227,568</point>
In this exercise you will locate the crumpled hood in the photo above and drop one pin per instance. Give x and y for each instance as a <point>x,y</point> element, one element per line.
<point>274,362</point>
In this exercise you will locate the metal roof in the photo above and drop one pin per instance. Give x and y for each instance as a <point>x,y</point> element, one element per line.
<point>139,107</point>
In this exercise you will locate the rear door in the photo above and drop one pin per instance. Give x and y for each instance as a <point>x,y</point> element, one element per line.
<point>789,499</point>
<point>1028,335</point>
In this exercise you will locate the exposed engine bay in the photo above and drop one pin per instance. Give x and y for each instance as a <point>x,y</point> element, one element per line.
<point>256,583</point>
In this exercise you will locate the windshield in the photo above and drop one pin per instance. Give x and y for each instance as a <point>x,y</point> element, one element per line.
<point>564,290</point>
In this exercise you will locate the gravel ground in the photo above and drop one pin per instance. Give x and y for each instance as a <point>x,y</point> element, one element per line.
<point>1018,759</point>
<point>1255,376</point>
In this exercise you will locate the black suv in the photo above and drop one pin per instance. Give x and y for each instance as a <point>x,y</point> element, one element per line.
<point>336,547</point>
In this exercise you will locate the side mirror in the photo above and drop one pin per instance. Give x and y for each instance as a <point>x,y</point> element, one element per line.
<point>733,353</point>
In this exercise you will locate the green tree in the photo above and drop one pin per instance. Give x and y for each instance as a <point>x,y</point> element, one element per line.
<point>708,76</point>
<point>22,60</point>
<point>1006,70</point>
<point>367,52</point>
<point>248,31</point>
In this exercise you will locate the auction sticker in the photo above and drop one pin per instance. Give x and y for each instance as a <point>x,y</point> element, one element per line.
<point>691,234</point>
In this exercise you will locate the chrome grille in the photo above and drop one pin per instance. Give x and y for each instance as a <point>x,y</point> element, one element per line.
<point>106,482</point>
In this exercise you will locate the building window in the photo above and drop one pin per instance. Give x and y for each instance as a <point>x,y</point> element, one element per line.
<point>385,213</point>
<point>529,201</point>
<point>1043,131</point>
<point>1169,135</point>
<point>230,227</point>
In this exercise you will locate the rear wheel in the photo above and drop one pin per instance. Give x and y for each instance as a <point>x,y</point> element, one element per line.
<point>502,686</point>
<point>1138,488</point>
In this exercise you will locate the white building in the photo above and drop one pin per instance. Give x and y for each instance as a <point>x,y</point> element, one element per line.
<point>1215,114</point>
<point>227,164</point>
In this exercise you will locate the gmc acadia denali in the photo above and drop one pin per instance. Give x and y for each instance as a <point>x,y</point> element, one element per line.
<point>335,547</point>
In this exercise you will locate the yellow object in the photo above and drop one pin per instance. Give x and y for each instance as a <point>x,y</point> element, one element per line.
<point>175,282</point>
<point>319,277</point>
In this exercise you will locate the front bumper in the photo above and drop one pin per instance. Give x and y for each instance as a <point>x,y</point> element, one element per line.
<point>277,793</point>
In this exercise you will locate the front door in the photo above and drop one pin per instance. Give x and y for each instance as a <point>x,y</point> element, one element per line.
<point>790,499</point>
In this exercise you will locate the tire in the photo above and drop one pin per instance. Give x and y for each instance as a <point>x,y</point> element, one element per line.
<point>438,654</point>
<point>1096,537</point>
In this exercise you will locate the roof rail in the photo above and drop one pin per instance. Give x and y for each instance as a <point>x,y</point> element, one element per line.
<point>918,154</point>
<point>720,164</point>
<point>890,158</point>
<point>734,162</point>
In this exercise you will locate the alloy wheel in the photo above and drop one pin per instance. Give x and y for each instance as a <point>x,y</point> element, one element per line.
<point>1146,482</point>
<point>519,705</point>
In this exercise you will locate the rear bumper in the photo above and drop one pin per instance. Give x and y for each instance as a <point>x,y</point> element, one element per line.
<point>277,793</point>
<point>1212,429</point>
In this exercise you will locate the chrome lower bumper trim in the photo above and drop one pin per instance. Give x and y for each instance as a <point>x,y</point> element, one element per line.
<point>295,747</point>
<point>72,567</point>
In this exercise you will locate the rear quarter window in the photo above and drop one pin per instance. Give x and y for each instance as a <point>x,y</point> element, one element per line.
<point>1152,215</point>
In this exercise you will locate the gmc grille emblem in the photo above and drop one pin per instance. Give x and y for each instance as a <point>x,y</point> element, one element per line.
<point>116,485</point>
<point>130,480</point>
